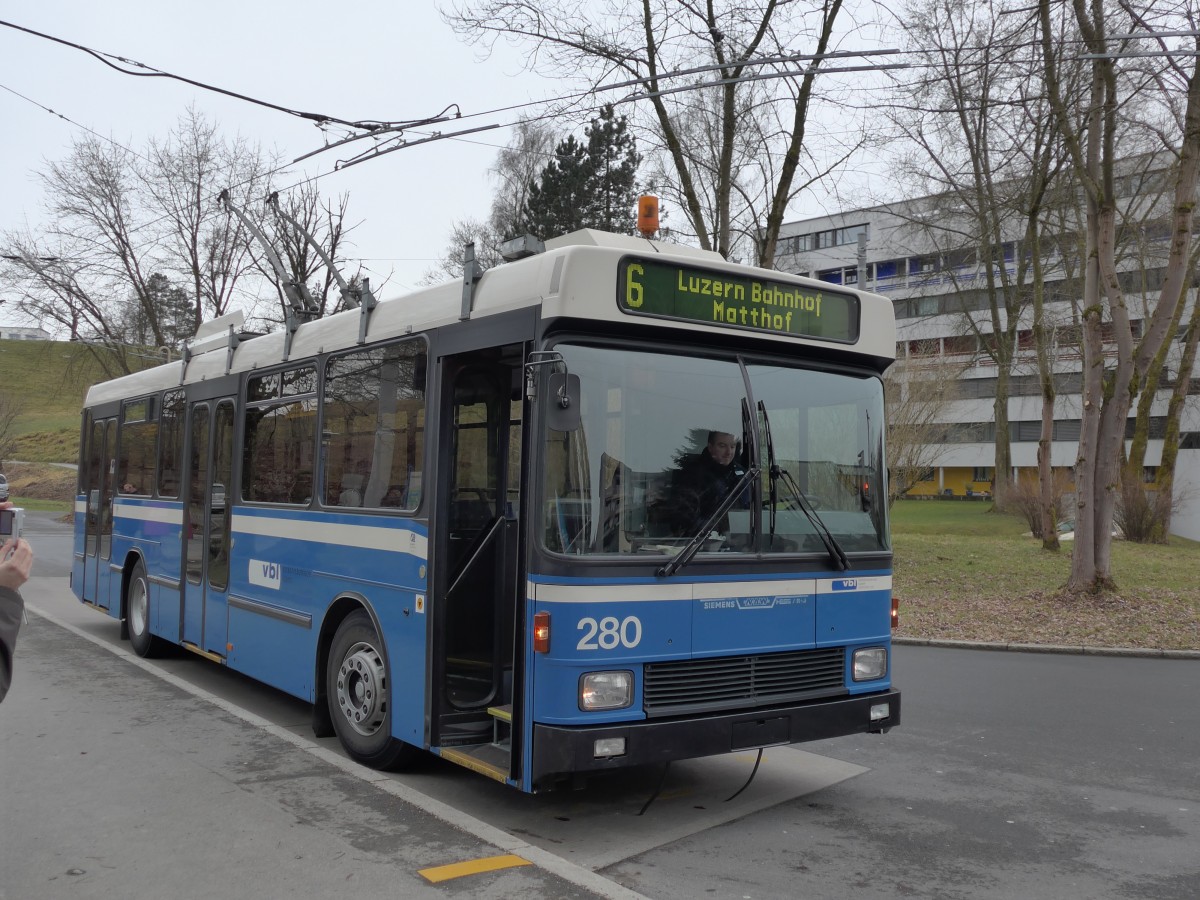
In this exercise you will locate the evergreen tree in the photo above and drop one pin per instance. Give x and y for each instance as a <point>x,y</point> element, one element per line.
<point>588,185</point>
<point>612,153</point>
<point>559,202</point>
<point>163,310</point>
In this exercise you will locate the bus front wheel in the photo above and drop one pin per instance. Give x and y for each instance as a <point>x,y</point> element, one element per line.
<point>359,695</point>
<point>137,613</point>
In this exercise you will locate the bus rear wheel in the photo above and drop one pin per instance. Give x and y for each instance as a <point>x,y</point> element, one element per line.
<point>137,613</point>
<point>359,696</point>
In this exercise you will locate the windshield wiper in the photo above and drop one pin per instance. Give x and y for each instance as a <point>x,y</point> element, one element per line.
<point>684,556</point>
<point>777,473</point>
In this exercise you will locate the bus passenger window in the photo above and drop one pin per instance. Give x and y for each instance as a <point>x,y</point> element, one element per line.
<point>136,457</point>
<point>279,446</point>
<point>373,420</point>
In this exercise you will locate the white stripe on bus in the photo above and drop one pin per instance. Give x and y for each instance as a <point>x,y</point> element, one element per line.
<point>365,537</point>
<point>643,593</point>
<point>165,514</point>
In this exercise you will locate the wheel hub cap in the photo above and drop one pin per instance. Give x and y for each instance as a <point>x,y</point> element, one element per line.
<point>361,689</point>
<point>138,607</point>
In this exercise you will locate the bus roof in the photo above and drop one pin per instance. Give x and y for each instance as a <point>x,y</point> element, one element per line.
<point>562,281</point>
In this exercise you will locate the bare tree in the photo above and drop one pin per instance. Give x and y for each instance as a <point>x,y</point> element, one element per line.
<point>517,168</point>
<point>325,222</point>
<point>89,258</point>
<point>11,409</point>
<point>659,45</point>
<point>120,222</point>
<point>182,175</point>
<point>986,157</point>
<point>486,242</point>
<point>1095,147</point>
<point>917,403</point>
<point>1164,480</point>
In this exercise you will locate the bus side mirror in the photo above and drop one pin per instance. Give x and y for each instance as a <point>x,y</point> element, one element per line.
<point>562,400</point>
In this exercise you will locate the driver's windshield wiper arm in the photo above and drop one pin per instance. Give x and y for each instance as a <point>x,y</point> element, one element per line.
<point>684,556</point>
<point>827,538</point>
<point>778,473</point>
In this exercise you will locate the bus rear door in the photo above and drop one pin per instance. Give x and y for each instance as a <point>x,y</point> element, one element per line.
<point>99,489</point>
<point>208,491</point>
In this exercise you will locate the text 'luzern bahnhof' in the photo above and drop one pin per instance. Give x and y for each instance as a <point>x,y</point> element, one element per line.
<point>651,288</point>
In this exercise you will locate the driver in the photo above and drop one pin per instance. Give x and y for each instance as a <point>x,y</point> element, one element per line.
<point>702,481</point>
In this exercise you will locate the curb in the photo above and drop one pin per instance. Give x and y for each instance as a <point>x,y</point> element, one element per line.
<point>1078,650</point>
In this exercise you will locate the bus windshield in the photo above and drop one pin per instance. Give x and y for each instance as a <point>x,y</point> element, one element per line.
<point>665,438</point>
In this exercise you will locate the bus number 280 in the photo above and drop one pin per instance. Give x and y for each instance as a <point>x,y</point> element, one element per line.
<point>609,633</point>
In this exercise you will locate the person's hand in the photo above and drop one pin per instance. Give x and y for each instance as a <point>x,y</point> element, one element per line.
<point>17,563</point>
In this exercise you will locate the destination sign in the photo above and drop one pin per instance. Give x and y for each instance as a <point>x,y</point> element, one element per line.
<point>673,291</point>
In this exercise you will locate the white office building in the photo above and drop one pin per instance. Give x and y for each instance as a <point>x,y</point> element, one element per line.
<point>17,333</point>
<point>934,291</point>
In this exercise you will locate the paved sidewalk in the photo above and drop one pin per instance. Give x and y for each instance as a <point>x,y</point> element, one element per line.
<point>115,782</point>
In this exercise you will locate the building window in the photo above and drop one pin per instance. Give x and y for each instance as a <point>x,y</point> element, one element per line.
<point>922,265</point>
<point>961,344</point>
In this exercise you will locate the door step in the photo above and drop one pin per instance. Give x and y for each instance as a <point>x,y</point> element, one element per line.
<point>188,645</point>
<point>486,759</point>
<point>501,725</point>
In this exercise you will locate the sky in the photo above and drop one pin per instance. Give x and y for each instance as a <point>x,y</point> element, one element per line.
<point>368,60</point>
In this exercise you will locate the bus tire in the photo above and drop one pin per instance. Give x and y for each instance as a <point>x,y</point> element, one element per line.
<point>137,613</point>
<point>359,696</point>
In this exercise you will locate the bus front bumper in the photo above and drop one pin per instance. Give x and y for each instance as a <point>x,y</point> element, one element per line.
<point>560,750</point>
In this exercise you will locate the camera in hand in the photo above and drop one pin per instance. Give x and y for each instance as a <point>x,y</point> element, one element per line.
<point>12,523</point>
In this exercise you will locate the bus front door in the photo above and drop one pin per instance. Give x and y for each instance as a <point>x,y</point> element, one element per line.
<point>206,538</point>
<point>478,540</point>
<point>98,485</point>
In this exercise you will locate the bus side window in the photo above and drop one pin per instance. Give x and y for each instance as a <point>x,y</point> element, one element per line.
<point>373,416</point>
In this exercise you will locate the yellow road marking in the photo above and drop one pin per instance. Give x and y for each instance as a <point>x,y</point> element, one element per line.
<point>472,867</point>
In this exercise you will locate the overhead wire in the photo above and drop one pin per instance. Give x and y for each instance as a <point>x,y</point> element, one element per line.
<point>142,70</point>
<point>378,129</point>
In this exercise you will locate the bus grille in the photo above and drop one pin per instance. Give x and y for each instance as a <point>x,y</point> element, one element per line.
<point>742,682</point>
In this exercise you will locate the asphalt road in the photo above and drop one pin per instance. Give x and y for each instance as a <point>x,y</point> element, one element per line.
<point>1014,775</point>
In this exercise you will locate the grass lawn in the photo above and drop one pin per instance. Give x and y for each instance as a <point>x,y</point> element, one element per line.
<point>48,380</point>
<point>963,572</point>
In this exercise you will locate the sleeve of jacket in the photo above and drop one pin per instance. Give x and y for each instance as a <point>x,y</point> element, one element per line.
<point>11,606</point>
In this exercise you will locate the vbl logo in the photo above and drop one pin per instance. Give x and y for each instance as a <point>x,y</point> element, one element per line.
<point>266,574</point>
<point>846,584</point>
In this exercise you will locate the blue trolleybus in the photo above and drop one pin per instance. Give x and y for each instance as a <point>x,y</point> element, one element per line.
<point>616,503</point>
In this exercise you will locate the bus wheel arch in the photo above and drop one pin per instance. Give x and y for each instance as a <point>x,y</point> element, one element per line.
<point>354,686</point>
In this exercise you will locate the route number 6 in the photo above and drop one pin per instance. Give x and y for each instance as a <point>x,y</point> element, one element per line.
<point>609,633</point>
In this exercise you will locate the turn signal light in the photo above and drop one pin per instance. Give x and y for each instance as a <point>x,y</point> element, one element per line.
<point>895,612</point>
<point>541,632</point>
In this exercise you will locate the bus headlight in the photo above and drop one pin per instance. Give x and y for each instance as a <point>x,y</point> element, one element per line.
<point>870,663</point>
<point>605,690</point>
